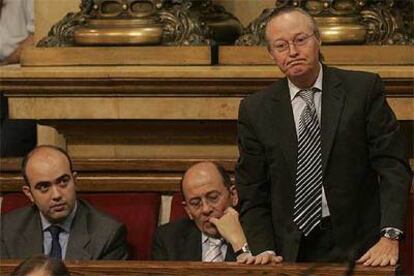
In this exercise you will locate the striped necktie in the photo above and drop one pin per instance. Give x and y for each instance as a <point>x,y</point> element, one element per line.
<point>214,254</point>
<point>308,188</point>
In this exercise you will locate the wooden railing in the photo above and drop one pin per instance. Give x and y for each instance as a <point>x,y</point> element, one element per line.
<point>199,268</point>
<point>114,175</point>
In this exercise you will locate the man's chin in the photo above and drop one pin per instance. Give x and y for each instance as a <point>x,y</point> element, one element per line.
<point>57,217</point>
<point>296,71</point>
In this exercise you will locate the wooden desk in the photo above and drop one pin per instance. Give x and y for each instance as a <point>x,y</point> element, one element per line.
<point>198,268</point>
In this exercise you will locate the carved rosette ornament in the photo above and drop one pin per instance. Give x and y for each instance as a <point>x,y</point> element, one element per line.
<point>145,22</point>
<point>390,22</point>
<point>346,21</point>
<point>182,27</point>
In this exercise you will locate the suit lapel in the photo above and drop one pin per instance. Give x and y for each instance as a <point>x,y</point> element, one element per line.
<point>282,114</point>
<point>191,244</point>
<point>32,237</point>
<point>79,236</point>
<point>333,98</point>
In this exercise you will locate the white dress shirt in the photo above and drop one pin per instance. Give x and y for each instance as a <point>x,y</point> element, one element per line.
<point>16,23</point>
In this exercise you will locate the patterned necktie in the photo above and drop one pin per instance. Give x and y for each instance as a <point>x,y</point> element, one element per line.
<point>308,189</point>
<point>56,251</point>
<point>214,254</point>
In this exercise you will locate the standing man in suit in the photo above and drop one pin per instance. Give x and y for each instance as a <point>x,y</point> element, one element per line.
<point>321,174</point>
<point>213,232</point>
<point>57,224</point>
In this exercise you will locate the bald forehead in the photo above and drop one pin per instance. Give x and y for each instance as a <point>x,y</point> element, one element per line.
<point>45,155</point>
<point>202,170</point>
<point>202,173</point>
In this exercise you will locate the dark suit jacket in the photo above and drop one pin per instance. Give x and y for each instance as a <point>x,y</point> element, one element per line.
<point>365,175</point>
<point>93,236</point>
<point>181,241</point>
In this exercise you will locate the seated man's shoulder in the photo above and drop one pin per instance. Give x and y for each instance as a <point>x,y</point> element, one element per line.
<point>176,227</point>
<point>19,217</point>
<point>97,217</point>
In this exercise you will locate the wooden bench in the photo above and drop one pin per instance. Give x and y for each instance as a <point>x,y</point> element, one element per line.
<point>156,175</point>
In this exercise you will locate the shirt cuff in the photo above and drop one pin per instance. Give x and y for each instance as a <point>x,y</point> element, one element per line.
<point>392,228</point>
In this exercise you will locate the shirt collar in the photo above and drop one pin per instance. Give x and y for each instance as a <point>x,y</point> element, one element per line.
<point>205,239</point>
<point>65,225</point>
<point>293,89</point>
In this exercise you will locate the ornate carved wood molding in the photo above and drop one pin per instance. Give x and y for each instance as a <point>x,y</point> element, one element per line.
<point>386,22</point>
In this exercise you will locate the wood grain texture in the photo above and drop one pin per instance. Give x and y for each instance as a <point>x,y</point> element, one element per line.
<point>198,268</point>
<point>333,55</point>
<point>116,175</point>
<point>219,72</point>
<point>165,108</point>
<point>150,55</point>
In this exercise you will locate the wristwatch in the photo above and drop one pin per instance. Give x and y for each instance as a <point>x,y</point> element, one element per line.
<point>392,234</point>
<point>245,249</point>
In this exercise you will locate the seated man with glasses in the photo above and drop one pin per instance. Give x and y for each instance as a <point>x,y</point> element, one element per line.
<point>213,232</point>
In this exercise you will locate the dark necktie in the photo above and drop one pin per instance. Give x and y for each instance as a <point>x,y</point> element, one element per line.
<point>56,251</point>
<point>308,188</point>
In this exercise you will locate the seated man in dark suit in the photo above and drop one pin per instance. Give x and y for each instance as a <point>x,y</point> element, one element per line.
<point>57,224</point>
<point>213,233</point>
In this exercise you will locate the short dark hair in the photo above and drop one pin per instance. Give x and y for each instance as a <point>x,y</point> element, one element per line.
<point>222,171</point>
<point>54,266</point>
<point>33,151</point>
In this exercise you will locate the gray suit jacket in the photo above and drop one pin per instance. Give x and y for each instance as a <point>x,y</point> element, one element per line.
<point>365,175</point>
<point>181,241</point>
<point>93,236</point>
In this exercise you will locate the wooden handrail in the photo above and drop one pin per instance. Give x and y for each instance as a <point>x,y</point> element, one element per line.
<point>139,164</point>
<point>136,165</point>
<point>199,268</point>
<point>120,175</point>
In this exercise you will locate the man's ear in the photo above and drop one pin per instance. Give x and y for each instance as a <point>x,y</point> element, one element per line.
<point>269,52</point>
<point>318,38</point>
<point>187,210</point>
<point>26,190</point>
<point>75,175</point>
<point>234,196</point>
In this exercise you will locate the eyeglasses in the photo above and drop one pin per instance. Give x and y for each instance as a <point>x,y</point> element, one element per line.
<point>281,45</point>
<point>211,199</point>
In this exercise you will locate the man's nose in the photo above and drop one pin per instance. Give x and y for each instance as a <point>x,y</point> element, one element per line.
<point>206,207</point>
<point>56,194</point>
<point>292,49</point>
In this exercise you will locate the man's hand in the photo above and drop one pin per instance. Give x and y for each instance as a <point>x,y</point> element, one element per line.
<point>261,259</point>
<point>383,253</point>
<point>230,228</point>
